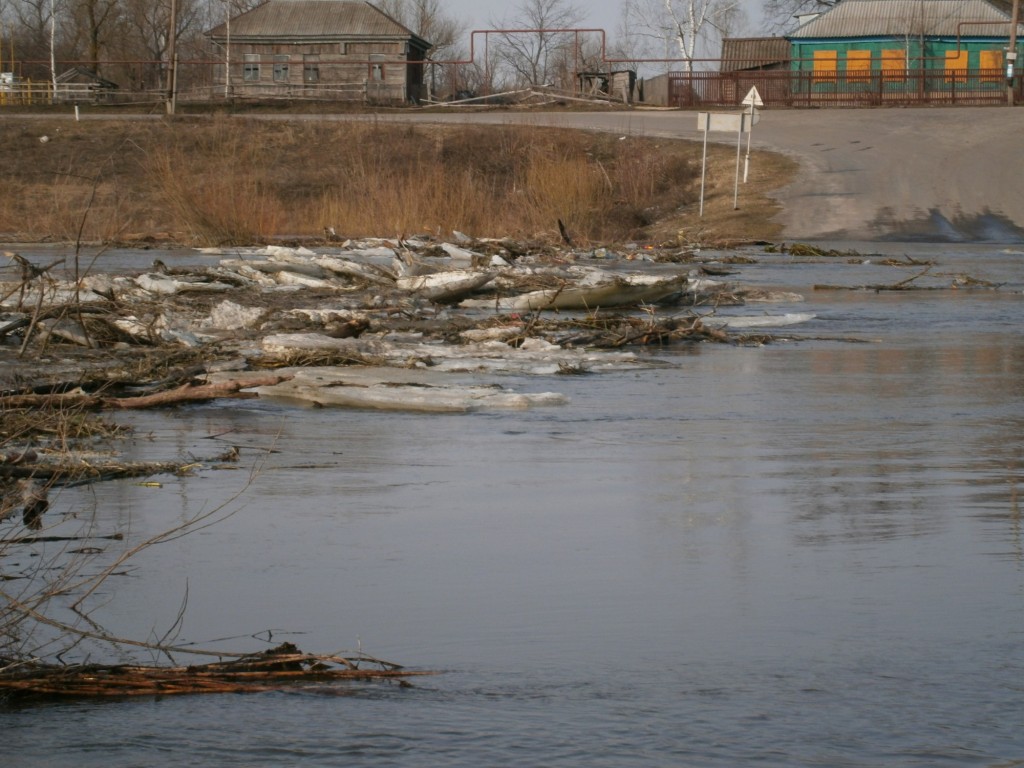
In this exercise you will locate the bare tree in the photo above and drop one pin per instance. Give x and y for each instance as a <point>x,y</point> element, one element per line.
<point>781,14</point>
<point>683,29</point>
<point>34,32</point>
<point>95,21</point>
<point>427,19</point>
<point>538,56</point>
<point>146,39</point>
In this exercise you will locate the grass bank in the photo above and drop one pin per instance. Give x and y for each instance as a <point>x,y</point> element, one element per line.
<point>221,180</point>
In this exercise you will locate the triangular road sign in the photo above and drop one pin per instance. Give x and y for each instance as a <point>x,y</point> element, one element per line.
<point>752,99</point>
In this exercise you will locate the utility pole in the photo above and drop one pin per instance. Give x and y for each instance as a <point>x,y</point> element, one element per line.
<point>172,58</point>
<point>1011,51</point>
<point>227,51</point>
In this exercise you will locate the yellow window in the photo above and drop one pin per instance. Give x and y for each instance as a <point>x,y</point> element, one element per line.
<point>956,65</point>
<point>894,65</point>
<point>992,66</point>
<point>825,65</point>
<point>858,66</point>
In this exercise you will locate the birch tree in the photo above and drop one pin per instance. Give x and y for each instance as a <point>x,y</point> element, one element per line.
<point>682,29</point>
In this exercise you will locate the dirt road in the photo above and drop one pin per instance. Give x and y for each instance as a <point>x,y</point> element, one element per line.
<point>946,174</point>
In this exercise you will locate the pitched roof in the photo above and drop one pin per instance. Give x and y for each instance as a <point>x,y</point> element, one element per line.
<point>935,18</point>
<point>327,20</point>
<point>752,52</point>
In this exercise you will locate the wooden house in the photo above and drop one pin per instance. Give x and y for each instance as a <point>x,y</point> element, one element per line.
<point>333,49</point>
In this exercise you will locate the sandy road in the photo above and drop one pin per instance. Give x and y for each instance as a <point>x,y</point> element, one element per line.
<point>927,173</point>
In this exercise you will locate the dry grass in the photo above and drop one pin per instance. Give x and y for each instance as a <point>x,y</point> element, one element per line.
<point>225,180</point>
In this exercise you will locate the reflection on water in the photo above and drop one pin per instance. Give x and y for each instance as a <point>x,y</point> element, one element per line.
<point>801,554</point>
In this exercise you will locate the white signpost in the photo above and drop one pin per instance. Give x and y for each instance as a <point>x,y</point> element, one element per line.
<point>741,122</point>
<point>752,100</point>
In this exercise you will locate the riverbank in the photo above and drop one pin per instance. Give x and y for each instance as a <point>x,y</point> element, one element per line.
<point>217,180</point>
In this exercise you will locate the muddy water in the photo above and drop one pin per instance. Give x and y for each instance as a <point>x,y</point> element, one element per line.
<point>807,553</point>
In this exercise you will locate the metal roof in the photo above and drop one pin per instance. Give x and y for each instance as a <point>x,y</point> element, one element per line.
<point>752,52</point>
<point>933,18</point>
<point>313,20</point>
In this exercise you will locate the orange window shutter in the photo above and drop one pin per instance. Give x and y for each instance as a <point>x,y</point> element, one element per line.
<point>858,66</point>
<point>956,65</point>
<point>825,65</point>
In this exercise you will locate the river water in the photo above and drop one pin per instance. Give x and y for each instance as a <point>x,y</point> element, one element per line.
<point>808,553</point>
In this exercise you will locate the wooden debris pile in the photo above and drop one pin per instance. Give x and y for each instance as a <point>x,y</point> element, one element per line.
<point>464,306</point>
<point>280,667</point>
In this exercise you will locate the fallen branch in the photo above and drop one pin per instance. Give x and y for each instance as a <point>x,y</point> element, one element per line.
<point>273,669</point>
<point>187,392</point>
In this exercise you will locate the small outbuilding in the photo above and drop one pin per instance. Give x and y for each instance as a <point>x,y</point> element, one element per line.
<point>760,62</point>
<point>332,49</point>
<point>79,84</point>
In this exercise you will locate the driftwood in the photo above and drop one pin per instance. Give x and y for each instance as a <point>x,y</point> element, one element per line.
<point>68,472</point>
<point>616,331</point>
<point>276,668</point>
<point>959,281</point>
<point>187,392</point>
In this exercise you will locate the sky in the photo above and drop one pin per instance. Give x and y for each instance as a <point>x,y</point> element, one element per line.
<point>602,14</point>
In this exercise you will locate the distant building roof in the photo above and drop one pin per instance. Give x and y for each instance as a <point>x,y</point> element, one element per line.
<point>309,20</point>
<point>740,53</point>
<point>81,75</point>
<point>887,18</point>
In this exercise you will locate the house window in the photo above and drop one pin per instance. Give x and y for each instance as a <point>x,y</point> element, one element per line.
<point>991,64</point>
<point>825,65</point>
<point>858,66</point>
<point>376,67</point>
<point>894,65</point>
<point>956,66</point>
<point>281,69</point>
<point>251,67</point>
<point>311,68</point>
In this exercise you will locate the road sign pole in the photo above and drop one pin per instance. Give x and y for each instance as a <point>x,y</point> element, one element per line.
<point>752,100</point>
<point>736,183</point>
<point>750,131</point>
<point>704,160</point>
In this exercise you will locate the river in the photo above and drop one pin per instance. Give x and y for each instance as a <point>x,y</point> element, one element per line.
<point>807,553</point>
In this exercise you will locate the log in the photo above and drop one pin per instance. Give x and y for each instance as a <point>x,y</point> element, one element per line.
<point>185,393</point>
<point>194,392</point>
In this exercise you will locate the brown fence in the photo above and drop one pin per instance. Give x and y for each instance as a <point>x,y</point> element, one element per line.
<point>198,82</point>
<point>784,88</point>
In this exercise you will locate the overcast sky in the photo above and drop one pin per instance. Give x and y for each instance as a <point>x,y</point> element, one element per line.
<point>603,14</point>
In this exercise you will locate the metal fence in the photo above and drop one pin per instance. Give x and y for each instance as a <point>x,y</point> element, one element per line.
<point>777,88</point>
<point>19,93</point>
<point>893,87</point>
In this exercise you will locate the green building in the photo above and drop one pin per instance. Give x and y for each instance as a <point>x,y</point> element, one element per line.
<point>898,46</point>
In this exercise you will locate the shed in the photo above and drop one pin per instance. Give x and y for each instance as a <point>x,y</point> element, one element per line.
<point>337,49</point>
<point>81,84</point>
<point>884,44</point>
<point>745,54</point>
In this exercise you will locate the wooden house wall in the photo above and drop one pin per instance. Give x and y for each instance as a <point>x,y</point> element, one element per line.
<point>338,64</point>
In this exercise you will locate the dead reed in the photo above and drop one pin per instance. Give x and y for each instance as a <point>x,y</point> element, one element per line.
<point>230,180</point>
